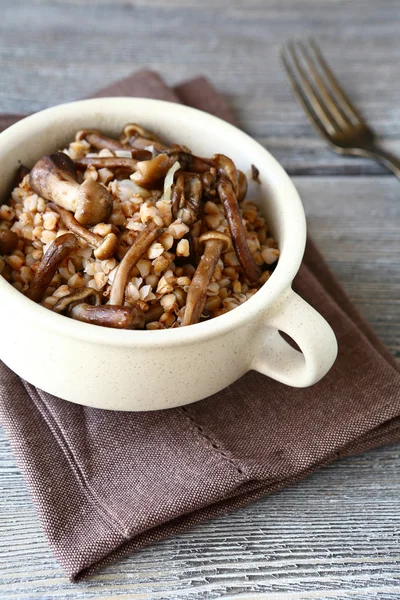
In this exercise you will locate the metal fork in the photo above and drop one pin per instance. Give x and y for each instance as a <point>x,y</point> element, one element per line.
<point>328,107</point>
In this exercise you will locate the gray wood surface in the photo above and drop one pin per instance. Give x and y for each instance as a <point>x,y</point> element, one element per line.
<point>336,534</point>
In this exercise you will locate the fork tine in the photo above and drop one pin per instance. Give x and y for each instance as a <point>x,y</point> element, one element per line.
<point>302,98</point>
<point>323,91</point>
<point>346,104</point>
<point>308,91</point>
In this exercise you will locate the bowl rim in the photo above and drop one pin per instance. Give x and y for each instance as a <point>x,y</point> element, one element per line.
<point>280,280</point>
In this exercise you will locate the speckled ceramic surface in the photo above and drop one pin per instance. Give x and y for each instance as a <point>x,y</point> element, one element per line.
<point>151,370</point>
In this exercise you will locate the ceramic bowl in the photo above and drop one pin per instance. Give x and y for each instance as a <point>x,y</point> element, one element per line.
<point>151,370</point>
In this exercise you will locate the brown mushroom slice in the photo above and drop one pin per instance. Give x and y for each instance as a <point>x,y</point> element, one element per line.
<point>52,259</point>
<point>54,178</point>
<point>135,253</point>
<point>191,201</point>
<point>215,243</point>
<point>227,169</point>
<point>233,216</point>
<point>104,247</point>
<point>107,162</point>
<point>8,241</point>
<point>151,171</point>
<point>117,317</point>
<point>83,294</point>
<point>98,140</point>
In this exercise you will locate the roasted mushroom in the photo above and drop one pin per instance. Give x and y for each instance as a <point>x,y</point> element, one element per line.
<point>54,178</point>
<point>52,259</point>
<point>227,170</point>
<point>191,200</point>
<point>118,317</point>
<point>133,130</point>
<point>214,244</point>
<point>135,252</point>
<point>150,171</point>
<point>98,140</point>
<point>228,199</point>
<point>105,247</point>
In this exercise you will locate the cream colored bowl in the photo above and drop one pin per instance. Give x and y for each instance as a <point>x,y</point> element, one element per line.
<point>151,370</point>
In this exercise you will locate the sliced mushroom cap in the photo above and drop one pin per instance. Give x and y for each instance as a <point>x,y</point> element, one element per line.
<point>215,243</point>
<point>54,178</point>
<point>118,317</point>
<point>8,241</point>
<point>52,259</point>
<point>135,253</point>
<point>234,218</point>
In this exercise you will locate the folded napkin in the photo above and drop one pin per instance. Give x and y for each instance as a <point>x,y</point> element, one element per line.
<point>107,483</point>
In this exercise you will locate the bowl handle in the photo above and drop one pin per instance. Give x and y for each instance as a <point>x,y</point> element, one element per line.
<point>309,330</point>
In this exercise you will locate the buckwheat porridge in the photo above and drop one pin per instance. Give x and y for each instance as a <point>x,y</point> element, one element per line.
<point>134,234</point>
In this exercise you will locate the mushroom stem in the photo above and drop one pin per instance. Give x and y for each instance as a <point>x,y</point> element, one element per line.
<point>108,162</point>
<point>135,252</point>
<point>214,244</point>
<point>231,208</point>
<point>98,140</point>
<point>104,247</point>
<point>8,241</point>
<point>52,259</point>
<point>54,178</point>
<point>118,317</point>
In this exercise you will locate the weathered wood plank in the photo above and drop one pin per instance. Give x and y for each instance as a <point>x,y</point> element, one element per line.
<point>48,55</point>
<point>334,535</point>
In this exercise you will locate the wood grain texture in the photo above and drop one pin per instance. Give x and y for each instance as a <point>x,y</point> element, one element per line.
<point>62,50</point>
<point>336,534</point>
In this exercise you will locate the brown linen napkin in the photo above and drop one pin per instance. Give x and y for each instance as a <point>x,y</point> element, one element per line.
<point>108,483</point>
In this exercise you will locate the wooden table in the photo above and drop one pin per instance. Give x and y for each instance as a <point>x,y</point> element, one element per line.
<point>336,534</point>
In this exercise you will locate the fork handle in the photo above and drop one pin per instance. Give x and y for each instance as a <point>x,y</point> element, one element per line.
<point>390,161</point>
